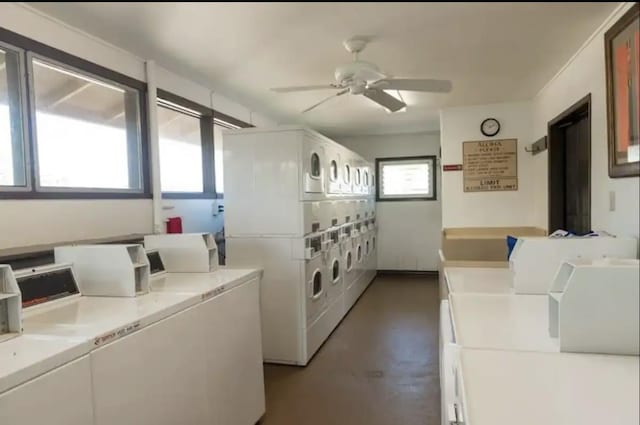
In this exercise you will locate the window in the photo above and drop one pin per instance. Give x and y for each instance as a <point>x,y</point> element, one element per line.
<point>12,152</point>
<point>87,126</point>
<point>180,138</point>
<point>410,178</point>
<point>87,130</point>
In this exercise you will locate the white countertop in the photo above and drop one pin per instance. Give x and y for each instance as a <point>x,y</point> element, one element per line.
<point>526,388</point>
<point>208,284</point>
<point>100,317</point>
<point>478,280</point>
<point>26,357</point>
<point>505,322</point>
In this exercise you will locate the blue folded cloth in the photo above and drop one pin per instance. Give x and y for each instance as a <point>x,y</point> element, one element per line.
<point>511,243</point>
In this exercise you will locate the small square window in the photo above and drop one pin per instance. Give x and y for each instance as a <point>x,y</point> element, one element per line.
<point>410,178</point>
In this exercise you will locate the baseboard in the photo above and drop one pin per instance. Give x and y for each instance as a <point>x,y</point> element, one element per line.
<point>425,273</point>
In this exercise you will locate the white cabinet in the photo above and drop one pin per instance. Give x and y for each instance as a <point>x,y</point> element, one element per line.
<point>155,376</point>
<point>60,397</point>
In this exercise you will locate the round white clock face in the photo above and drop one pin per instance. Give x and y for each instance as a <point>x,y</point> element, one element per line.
<point>490,127</point>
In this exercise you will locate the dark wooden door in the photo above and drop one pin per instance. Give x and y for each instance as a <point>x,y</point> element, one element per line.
<point>577,170</point>
<point>569,144</point>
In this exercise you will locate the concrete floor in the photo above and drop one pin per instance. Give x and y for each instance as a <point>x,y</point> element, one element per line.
<point>379,367</point>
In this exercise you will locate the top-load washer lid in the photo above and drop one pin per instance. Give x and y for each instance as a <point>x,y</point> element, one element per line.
<point>528,388</point>
<point>479,280</point>
<point>26,357</point>
<point>502,322</point>
<point>205,285</point>
<point>103,319</point>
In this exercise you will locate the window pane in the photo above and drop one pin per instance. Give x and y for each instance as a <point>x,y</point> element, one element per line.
<point>180,151</point>
<point>406,178</point>
<point>12,163</point>
<point>87,131</point>
<point>218,155</point>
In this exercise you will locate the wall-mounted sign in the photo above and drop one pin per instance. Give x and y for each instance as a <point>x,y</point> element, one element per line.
<point>490,165</point>
<point>452,167</point>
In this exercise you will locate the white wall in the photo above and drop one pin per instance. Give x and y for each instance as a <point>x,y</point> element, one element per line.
<point>24,223</point>
<point>509,208</point>
<point>409,232</point>
<point>584,74</point>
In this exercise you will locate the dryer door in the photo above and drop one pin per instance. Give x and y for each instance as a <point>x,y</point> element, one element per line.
<point>313,160</point>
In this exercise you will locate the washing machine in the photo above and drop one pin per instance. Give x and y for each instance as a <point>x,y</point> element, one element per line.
<point>316,277</point>
<point>139,343</point>
<point>313,166</point>
<point>233,355</point>
<point>335,265</point>
<point>358,247</point>
<point>31,366</point>
<point>45,380</point>
<point>349,268</point>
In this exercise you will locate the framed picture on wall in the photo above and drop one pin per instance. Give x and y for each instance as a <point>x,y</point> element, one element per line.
<point>622,57</point>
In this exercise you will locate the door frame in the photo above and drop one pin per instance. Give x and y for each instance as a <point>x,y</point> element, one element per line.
<point>556,160</point>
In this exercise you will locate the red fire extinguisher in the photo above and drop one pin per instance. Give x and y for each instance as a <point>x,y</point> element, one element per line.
<point>174,225</point>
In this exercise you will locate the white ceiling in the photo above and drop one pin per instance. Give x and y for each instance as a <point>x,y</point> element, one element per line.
<point>493,52</point>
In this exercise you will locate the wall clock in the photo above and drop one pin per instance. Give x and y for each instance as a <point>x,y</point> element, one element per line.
<point>490,127</point>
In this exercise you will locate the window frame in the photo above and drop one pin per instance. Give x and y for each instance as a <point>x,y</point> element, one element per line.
<point>434,180</point>
<point>30,49</point>
<point>31,56</point>
<point>208,118</point>
<point>24,107</point>
<point>206,138</point>
<point>229,123</point>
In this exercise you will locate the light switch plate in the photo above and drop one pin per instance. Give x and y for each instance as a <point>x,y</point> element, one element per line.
<point>612,200</point>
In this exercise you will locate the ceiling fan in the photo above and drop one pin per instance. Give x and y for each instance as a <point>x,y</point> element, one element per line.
<point>365,78</point>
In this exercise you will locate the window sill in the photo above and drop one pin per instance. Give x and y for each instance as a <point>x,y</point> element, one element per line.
<point>73,195</point>
<point>188,195</point>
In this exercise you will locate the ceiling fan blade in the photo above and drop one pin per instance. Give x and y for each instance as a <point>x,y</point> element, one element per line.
<point>340,93</point>
<point>385,99</point>
<point>305,88</point>
<point>425,85</point>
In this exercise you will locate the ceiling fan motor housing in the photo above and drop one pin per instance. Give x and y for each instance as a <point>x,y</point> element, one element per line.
<point>357,73</point>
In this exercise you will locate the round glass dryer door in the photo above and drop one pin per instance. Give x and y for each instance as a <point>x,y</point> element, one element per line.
<point>335,271</point>
<point>334,170</point>
<point>315,165</point>
<point>347,173</point>
<point>317,283</point>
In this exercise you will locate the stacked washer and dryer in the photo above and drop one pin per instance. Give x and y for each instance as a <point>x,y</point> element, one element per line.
<point>301,207</point>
